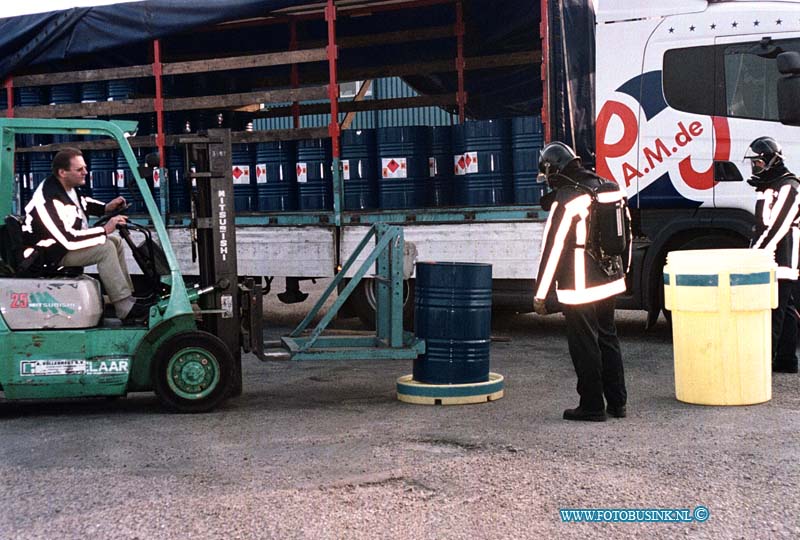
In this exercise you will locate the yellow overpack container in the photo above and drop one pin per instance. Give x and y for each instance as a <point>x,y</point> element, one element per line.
<point>721,302</point>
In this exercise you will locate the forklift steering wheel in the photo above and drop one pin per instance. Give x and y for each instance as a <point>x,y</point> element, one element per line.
<point>103,220</point>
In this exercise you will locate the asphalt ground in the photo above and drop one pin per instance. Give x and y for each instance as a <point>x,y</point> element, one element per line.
<point>325,450</point>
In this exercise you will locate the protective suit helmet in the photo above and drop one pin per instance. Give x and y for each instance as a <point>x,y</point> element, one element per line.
<point>554,158</point>
<point>765,153</point>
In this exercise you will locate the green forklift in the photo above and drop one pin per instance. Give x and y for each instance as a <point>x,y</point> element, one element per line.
<point>54,340</point>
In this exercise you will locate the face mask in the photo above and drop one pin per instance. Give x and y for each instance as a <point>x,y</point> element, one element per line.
<point>758,165</point>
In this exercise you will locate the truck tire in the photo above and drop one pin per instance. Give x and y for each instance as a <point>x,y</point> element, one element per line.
<point>362,301</point>
<point>192,372</point>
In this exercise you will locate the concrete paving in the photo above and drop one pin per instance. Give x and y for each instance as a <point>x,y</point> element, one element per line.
<point>323,451</point>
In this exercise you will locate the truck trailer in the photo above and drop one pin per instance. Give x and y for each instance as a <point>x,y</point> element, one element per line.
<point>662,99</point>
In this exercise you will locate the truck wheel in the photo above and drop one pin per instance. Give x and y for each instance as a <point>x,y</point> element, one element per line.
<point>192,372</point>
<point>363,300</point>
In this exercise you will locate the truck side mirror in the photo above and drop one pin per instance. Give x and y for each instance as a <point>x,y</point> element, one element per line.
<point>789,88</point>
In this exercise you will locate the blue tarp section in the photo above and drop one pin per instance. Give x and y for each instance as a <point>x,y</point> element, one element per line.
<point>117,35</point>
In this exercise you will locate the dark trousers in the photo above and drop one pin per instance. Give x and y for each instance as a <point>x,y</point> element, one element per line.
<point>595,351</point>
<point>784,325</point>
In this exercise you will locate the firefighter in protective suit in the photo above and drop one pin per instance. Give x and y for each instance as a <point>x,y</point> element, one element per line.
<point>777,230</point>
<point>586,275</point>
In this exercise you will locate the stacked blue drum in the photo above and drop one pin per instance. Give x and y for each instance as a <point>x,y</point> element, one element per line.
<point>453,314</point>
<point>359,169</point>
<point>178,196</point>
<point>242,168</point>
<point>313,168</point>
<point>31,97</point>
<point>39,167</point>
<point>403,161</point>
<point>276,180</point>
<point>103,174</point>
<point>62,94</point>
<point>483,165</point>
<point>440,185</point>
<point>130,190</point>
<point>21,175</point>
<point>93,91</point>
<point>527,140</point>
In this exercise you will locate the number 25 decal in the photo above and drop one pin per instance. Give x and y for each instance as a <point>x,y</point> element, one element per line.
<point>19,300</point>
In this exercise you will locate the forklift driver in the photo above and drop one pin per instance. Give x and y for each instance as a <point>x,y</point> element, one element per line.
<point>56,225</point>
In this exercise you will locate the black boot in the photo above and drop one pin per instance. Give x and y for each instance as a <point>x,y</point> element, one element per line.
<point>617,411</point>
<point>584,415</point>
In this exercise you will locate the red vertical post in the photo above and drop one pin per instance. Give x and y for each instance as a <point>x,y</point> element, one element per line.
<point>333,85</point>
<point>461,97</point>
<point>544,34</point>
<point>295,74</point>
<point>158,103</point>
<point>9,84</point>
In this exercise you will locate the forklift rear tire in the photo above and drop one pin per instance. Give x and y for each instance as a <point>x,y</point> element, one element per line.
<point>193,372</point>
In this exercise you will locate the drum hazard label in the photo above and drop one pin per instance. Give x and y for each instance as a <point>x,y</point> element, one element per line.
<point>394,168</point>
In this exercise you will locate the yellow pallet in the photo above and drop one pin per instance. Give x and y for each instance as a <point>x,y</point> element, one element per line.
<point>411,391</point>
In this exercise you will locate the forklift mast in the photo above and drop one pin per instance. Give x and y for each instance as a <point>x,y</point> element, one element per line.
<point>213,221</point>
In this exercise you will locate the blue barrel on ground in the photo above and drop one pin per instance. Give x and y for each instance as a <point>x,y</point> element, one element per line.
<point>242,169</point>
<point>482,163</point>
<point>453,314</point>
<point>359,169</point>
<point>102,174</point>
<point>276,179</point>
<point>178,196</point>
<point>527,139</point>
<point>440,167</point>
<point>403,160</point>
<point>313,169</point>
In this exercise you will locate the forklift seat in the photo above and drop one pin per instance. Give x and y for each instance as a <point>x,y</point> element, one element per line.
<point>14,263</point>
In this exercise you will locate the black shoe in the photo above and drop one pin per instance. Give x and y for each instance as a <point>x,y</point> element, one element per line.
<point>138,314</point>
<point>584,415</point>
<point>617,411</point>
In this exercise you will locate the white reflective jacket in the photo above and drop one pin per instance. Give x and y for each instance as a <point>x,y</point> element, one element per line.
<point>565,263</point>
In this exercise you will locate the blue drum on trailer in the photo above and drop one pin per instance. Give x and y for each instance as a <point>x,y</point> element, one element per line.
<point>103,174</point>
<point>121,89</point>
<point>313,169</point>
<point>527,140</point>
<point>31,96</point>
<point>62,94</point>
<point>403,161</point>
<point>178,196</point>
<point>440,190</point>
<point>93,91</point>
<point>39,165</point>
<point>453,314</point>
<point>21,180</point>
<point>359,169</point>
<point>483,174</point>
<point>242,171</point>
<point>276,180</point>
<point>129,189</point>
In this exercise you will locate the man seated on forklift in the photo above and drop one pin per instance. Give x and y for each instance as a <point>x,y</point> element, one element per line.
<point>56,226</point>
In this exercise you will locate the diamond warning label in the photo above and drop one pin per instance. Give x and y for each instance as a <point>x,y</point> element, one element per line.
<point>394,168</point>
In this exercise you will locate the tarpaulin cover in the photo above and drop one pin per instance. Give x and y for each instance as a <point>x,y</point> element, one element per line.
<point>103,36</point>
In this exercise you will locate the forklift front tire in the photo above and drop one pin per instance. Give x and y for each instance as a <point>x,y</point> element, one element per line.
<point>193,372</point>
